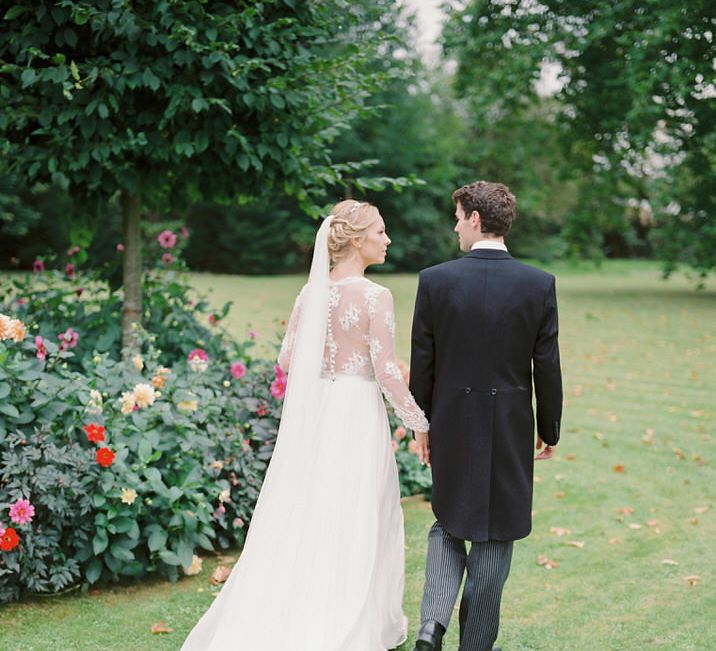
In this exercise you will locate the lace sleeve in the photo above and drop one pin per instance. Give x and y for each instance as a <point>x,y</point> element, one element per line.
<point>385,366</point>
<point>286,352</point>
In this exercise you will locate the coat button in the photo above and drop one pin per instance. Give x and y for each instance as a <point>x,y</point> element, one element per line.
<point>493,392</point>
<point>468,389</point>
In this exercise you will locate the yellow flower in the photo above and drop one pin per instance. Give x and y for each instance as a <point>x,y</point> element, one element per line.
<point>195,566</point>
<point>128,495</point>
<point>138,362</point>
<point>144,395</point>
<point>188,405</point>
<point>160,377</point>
<point>216,465</point>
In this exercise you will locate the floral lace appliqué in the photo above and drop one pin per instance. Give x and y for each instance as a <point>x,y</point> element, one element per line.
<point>356,362</point>
<point>350,318</point>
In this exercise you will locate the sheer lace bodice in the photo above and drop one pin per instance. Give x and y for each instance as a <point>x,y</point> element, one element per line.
<point>360,341</point>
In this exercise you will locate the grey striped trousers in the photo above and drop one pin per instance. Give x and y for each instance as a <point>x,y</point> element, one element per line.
<point>488,564</point>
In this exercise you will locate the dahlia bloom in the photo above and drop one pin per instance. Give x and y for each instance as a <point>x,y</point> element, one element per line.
<point>167,239</point>
<point>128,495</point>
<point>144,395</point>
<point>68,339</point>
<point>9,540</point>
<point>167,259</point>
<point>38,266</point>
<point>94,406</point>
<point>40,348</point>
<point>22,512</point>
<point>128,402</point>
<point>95,433</point>
<point>278,386</point>
<point>198,360</point>
<point>104,457</point>
<point>11,329</point>
<point>238,370</point>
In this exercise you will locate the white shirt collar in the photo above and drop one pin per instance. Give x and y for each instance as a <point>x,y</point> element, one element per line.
<point>489,244</point>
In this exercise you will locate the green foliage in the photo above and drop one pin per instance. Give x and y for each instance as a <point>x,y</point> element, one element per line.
<point>169,99</point>
<point>633,119</point>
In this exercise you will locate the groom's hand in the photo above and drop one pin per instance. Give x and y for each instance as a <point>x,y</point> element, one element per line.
<point>423,441</point>
<point>547,453</point>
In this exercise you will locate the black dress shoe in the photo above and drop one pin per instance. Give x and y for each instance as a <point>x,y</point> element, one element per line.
<point>430,637</point>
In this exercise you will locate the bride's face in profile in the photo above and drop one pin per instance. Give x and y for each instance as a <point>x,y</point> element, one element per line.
<point>373,246</point>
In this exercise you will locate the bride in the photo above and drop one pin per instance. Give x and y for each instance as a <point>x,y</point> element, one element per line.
<point>323,564</point>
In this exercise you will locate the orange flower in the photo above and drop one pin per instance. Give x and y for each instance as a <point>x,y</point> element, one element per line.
<point>9,540</point>
<point>95,433</point>
<point>105,457</point>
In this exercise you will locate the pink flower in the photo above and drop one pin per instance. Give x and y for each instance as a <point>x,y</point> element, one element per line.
<point>74,251</point>
<point>219,511</point>
<point>167,239</point>
<point>68,339</point>
<point>253,334</point>
<point>120,247</point>
<point>2,530</point>
<point>262,411</point>
<point>70,270</point>
<point>278,388</point>
<point>399,433</point>
<point>199,354</point>
<point>212,319</point>
<point>395,445</point>
<point>238,523</point>
<point>40,347</point>
<point>238,370</point>
<point>167,258</point>
<point>22,301</point>
<point>22,512</point>
<point>184,232</point>
<point>245,445</point>
<point>38,266</point>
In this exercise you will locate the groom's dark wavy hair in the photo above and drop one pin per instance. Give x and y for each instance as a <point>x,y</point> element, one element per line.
<point>493,201</point>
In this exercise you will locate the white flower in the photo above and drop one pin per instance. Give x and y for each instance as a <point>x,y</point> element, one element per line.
<point>128,495</point>
<point>195,566</point>
<point>138,362</point>
<point>144,395</point>
<point>94,406</point>
<point>198,365</point>
<point>225,496</point>
<point>128,402</point>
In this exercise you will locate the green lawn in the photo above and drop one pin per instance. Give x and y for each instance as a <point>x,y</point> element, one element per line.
<point>633,482</point>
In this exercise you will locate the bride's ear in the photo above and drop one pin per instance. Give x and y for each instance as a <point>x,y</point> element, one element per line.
<point>357,242</point>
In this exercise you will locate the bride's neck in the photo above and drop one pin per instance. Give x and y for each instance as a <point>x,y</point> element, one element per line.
<point>348,268</point>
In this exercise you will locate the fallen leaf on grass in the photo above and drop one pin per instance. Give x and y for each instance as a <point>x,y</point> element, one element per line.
<point>612,417</point>
<point>668,561</point>
<point>692,579</point>
<point>559,531</point>
<point>570,456</point>
<point>679,453</point>
<point>694,521</point>
<point>575,543</point>
<point>560,494</point>
<point>626,510</point>
<point>614,541</point>
<point>648,437</point>
<point>220,574</point>
<point>634,525</point>
<point>652,523</point>
<point>701,509</point>
<point>619,467</point>
<point>698,413</point>
<point>160,627</point>
<point>611,385</point>
<point>546,562</point>
<point>578,390</point>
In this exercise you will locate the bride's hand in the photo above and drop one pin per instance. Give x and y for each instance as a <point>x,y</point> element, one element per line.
<point>423,441</point>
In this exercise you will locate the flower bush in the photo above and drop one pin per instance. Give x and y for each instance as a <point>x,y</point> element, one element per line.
<point>116,469</point>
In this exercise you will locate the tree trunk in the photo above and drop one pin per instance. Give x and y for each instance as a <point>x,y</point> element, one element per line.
<point>132,276</point>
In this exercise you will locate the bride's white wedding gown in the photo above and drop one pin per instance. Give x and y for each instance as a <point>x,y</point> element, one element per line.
<point>323,564</point>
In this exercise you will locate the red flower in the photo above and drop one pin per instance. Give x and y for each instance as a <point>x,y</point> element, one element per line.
<point>79,291</point>
<point>74,251</point>
<point>38,266</point>
<point>261,411</point>
<point>167,258</point>
<point>9,540</point>
<point>120,247</point>
<point>70,270</point>
<point>105,457</point>
<point>212,319</point>
<point>95,433</point>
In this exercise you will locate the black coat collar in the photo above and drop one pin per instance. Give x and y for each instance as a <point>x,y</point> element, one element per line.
<point>489,254</point>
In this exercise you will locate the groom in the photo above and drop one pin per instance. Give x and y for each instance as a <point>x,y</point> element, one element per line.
<point>484,331</point>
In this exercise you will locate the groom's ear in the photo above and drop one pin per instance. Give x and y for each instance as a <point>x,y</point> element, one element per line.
<point>475,220</point>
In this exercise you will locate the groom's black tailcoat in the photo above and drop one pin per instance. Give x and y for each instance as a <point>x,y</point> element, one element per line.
<point>485,327</point>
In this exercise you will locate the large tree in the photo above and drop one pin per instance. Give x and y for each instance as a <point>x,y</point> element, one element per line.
<point>635,91</point>
<point>161,102</point>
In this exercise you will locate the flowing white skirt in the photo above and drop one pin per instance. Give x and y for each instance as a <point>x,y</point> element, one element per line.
<point>323,564</point>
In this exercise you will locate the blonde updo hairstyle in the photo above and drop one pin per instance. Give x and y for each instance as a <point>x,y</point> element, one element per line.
<point>350,220</point>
